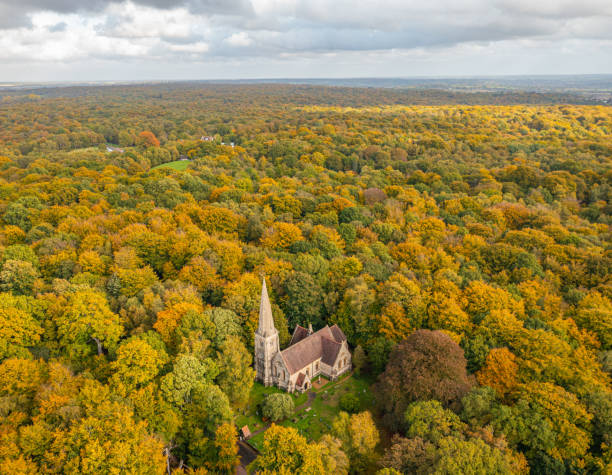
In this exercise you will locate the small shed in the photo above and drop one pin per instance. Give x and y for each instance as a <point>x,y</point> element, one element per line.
<point>245,433</point>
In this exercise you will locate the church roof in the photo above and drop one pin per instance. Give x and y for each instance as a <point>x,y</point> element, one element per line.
<point>338,334</point>
<point>266,321</point>
<point>331,349</point>
<point>298,334</point>
<point>319,345</point>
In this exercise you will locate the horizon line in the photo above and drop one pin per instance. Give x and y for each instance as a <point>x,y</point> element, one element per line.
<point>311,78</point>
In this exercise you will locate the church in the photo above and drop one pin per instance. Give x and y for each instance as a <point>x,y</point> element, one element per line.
<point>309,354</point>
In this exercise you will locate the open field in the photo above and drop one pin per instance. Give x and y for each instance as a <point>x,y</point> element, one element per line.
<point>180,165</point>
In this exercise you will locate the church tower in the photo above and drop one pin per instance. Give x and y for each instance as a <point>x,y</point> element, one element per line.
<point>266,340</point>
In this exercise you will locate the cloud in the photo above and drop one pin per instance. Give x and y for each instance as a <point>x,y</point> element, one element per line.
<point>280,31</point>
<point>58,27</point>
<point>135,21</point>
<point>239,40</point>
<point>17,13</point>
<point>196,48</point>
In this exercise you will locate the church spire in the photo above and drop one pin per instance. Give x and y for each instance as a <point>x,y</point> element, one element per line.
<point>266,322</point>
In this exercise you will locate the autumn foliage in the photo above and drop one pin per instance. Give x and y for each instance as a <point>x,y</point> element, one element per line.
<point>427,365</point>
<point>461,242</point>
<point>148,139</point>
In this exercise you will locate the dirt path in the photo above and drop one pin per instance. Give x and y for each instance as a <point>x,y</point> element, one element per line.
<point>247,454</point>
<point>259,431</point>
<point>311,397</point>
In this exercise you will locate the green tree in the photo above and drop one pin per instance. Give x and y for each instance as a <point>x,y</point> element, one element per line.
<point>285,451</point>
<point>226,323</point>
<point>595,313</point>
<point>454,455</point>
<point>226,454</point>
<point>379,350</point>
<point>20,252</point>
<point>235,373</point>
<point>547,419</point>
<point>600,406</point>
<point>19,330</point>
<point>188,372</point>
<point>18,277</point>
<point>136,365</point>
<point>277,406</point>
<point>334,459</point>
<point>85,320</point>
<point>430,421</point>
<point>359,359</point>
<point>359,438</point>
<point>105,440</point>
<point>349,402</point>
<point>303,300</point>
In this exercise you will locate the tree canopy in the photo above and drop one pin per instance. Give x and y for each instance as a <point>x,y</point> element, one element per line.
<point>460,241</point>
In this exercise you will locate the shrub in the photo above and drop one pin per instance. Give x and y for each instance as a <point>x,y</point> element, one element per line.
<point>349,403</point>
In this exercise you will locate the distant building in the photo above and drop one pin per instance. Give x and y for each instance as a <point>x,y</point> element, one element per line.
<point>207,138</point>
<point>308,355</point>
<point>110,149</point>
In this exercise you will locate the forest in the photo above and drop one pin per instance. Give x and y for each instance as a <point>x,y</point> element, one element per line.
<point>462,241</point>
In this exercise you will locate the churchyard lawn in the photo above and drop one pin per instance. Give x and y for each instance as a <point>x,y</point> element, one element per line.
<point>313,415</point>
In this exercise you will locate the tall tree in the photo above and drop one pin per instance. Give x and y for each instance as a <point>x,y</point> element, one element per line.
<point>86,324</point>
<point>359,438</point>
<point>286,451</point>
<point>427,365</point>
<point>235,373</point>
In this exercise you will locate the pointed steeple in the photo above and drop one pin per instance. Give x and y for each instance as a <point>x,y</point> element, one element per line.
<point>266,321</point>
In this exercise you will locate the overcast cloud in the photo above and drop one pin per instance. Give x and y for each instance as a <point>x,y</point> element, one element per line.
<point>44,40</point>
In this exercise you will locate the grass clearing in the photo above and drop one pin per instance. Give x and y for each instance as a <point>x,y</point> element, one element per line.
<point>311,422</point>
<point>180,165</point>
<point>250,414</point>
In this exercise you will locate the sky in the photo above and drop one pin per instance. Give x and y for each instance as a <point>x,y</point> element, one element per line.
<point>97,40</point>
